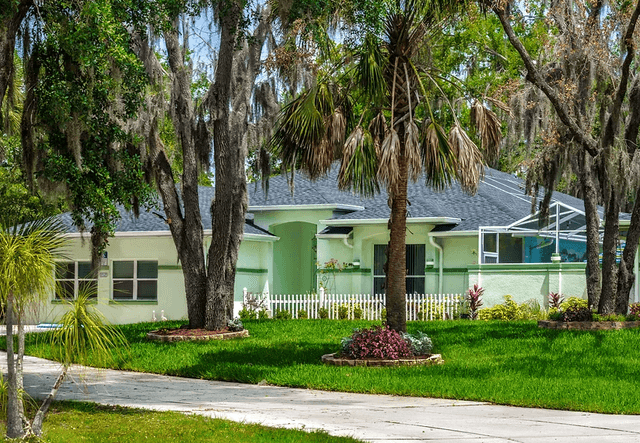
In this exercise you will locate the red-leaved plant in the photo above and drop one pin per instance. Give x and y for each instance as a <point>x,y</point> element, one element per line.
<point>555,300</point>
<point>474,298</point>
<point>377,342</point>
<point>634,311</point>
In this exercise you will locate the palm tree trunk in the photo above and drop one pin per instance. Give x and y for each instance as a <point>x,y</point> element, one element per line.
<point>20,366</point>
<point>397,256</point>
<point>14,420</point>
<point>36,427</point>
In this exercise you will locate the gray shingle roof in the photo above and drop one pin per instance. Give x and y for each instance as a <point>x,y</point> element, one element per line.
<point>500,200</point>
<point>153,220</point>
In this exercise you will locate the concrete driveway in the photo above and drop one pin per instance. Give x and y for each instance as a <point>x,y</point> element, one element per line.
<point>375,418</point>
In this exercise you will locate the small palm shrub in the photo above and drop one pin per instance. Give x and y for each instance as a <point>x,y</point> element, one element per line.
<point>343,312</point>
<point>357,312</point>
<point>376,342</point>
<point>263,314</point>
<point>302,313</point>
<point>323,313</point>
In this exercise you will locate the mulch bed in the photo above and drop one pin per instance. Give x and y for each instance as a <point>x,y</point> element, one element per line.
<point>183,334</point>
<point>588,325</point>
<point>425,360</point>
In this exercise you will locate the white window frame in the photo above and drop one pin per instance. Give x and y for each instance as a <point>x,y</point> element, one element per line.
<point>134,279</point>
<point>76,280</point>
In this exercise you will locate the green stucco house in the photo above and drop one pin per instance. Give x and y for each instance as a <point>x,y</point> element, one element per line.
<point>292,242</point>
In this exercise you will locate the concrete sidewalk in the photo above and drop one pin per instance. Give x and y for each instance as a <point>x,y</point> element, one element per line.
<point>375,418</point>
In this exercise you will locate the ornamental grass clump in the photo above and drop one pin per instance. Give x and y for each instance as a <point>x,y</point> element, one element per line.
<point>376,342</point>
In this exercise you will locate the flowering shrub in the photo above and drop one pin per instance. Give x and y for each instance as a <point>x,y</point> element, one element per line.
<point>377,342</point>
<point>474,299</point>
<point>634,311</point>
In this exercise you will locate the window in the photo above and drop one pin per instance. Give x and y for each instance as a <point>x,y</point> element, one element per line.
<point>415,269</point>
<point>502,248</point>
<point>135,280</point>
<point>75,277</point>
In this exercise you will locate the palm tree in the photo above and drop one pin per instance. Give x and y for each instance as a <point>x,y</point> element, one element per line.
<point>28,255</point>
<point>27,262</point>
<point>397,136</point>
<point>83,332</point>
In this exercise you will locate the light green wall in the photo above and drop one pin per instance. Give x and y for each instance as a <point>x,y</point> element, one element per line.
<point>254,268</point>
<point>525,281</point>
<point>294,263</point>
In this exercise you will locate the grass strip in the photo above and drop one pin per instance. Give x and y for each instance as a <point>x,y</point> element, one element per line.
<point>512,363</point>
<point>70,422</point>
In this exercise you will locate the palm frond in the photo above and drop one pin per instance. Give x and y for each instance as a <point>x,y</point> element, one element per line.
<point>28,253</point>
<point>301,134</point>
<point>370,69</point>
<point>84,332</point>
<point>412,150</point>
<point>439,162</point>
<point>359,164</point>
<point>378,129</point>
<point>470,167</point>
<point>336,125</point>
<point>388,169</point>
<point>489,129</point>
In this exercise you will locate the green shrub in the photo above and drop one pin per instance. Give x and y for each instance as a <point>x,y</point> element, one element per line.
<point>303,314</point>
<point>509,310</point>
<point>247,314</point>
<point>357,312</point>
<point>323,313</point>
<point>575,309</point>
<point>262,314</point>
<point>574,303</point>
<point>383,314</point>
<point>343,312</point>
<point>428,312</point>
<point>283,314</point>
<point>610,317</point>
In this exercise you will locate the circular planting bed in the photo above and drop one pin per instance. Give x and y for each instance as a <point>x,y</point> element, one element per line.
<point>426,360</point>
<point>588,325</point>
<point>194,334</point>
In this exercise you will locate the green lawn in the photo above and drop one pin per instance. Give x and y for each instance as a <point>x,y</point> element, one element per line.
<point>69,422</point>
<point>502,362</point>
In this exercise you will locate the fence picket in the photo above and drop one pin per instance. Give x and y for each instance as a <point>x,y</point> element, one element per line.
<point>418,306</point>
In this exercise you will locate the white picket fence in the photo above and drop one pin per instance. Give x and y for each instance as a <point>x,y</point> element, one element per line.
<point>364,306</point>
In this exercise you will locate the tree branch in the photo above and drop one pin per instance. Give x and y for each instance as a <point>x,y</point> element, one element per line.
<point>534,76</point>
<point>613,122</point>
